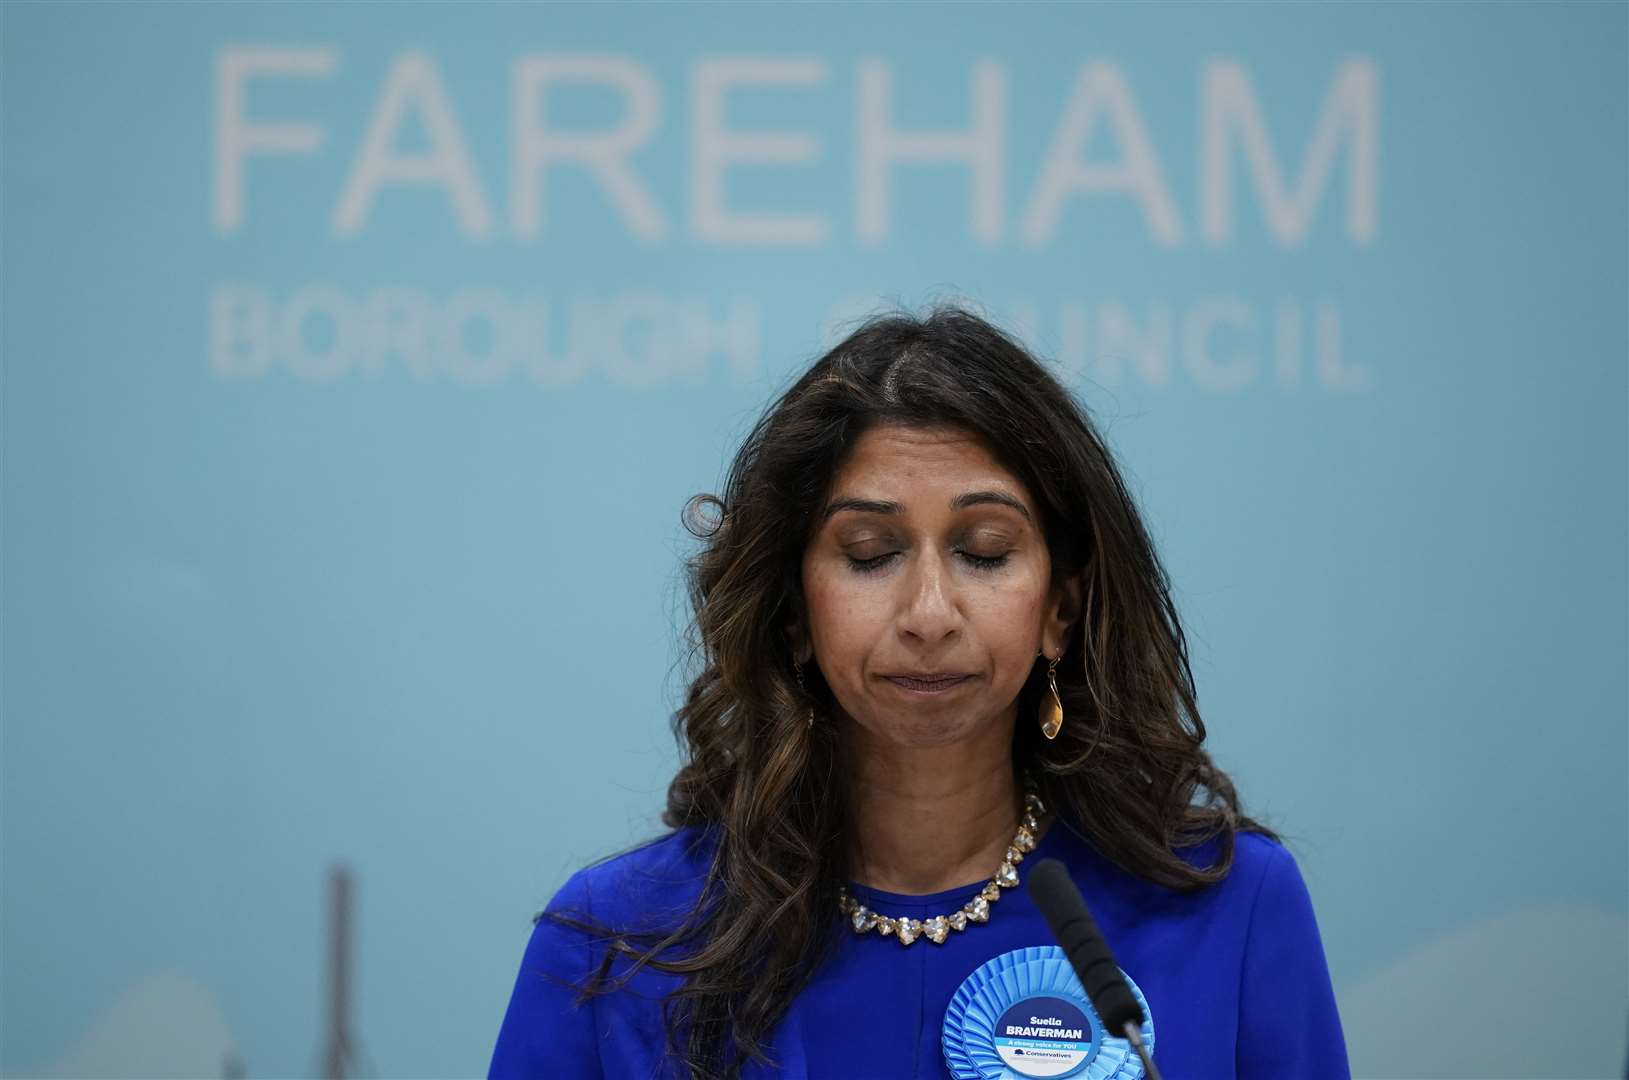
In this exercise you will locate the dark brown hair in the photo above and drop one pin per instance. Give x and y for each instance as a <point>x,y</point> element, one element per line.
<point>1128,770</point>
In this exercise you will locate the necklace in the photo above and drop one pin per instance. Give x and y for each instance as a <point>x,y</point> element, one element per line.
<point>976,910</point>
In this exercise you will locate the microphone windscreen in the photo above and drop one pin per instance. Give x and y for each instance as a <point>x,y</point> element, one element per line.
<point>1072,924</point>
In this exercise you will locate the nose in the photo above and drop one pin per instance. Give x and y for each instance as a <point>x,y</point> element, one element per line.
<point>930,613</point>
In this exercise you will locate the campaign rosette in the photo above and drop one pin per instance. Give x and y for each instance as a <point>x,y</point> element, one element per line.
<point>1024,1016</point>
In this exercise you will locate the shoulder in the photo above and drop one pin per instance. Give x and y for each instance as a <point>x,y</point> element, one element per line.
<point>1256,861</point>
<point>1255,856</point>
<point>644,888</point>
<point>1263,886</point>
<point>1262,871</point>
<point>1278,891</point>
<point>549,1021</point>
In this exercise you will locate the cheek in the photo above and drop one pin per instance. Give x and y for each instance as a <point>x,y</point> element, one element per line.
<point>829,608</point>
<point>1012,627</point>
<point>1015,609</point>
<point>843,620</point>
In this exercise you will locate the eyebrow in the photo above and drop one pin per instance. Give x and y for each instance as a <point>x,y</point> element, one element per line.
<point>960,502</point>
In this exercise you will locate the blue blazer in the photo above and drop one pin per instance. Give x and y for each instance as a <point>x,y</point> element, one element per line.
<point>1234,974</point>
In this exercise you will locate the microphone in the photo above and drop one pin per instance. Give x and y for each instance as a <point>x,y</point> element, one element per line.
<point>1077,933</point>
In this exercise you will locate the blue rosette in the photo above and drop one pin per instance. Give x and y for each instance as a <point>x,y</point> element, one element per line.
<point>975,1043</point>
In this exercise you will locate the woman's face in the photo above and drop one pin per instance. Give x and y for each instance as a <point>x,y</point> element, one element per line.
<point>929,561</point>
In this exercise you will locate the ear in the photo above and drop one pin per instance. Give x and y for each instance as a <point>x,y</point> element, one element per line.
<point>1062,612</point>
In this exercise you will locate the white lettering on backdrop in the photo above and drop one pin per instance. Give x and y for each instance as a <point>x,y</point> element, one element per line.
<point>1230,123</point>
<point>1219,342</point>
<point>645,340</point>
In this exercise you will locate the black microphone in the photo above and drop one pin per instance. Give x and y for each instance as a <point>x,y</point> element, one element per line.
<point>1072,924</point>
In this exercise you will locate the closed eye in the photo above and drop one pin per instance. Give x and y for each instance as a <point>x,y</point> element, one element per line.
<point>978,562</point>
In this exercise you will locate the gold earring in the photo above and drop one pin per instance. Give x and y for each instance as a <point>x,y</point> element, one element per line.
<point>799,669</point>
<point>1052,711</point>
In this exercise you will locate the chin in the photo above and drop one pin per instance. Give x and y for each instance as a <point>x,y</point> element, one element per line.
<point>925,731</point>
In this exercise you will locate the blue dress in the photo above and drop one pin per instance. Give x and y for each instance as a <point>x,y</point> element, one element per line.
<point>1234,974</point>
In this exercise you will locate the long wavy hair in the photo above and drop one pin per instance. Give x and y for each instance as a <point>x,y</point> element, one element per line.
<point>1128,771</point>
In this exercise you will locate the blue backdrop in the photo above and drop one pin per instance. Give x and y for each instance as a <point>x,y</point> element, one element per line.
<point>358,360</point>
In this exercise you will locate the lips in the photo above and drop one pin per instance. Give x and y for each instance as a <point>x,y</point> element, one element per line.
<point>928,682</point>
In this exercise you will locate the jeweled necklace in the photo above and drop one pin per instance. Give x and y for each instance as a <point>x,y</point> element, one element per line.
<point>976,910</point>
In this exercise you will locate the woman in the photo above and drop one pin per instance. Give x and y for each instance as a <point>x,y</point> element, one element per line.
<point>935,645</point>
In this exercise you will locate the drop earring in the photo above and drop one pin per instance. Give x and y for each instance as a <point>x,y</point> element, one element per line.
<point>799,669</point>
<point>1052,709</point>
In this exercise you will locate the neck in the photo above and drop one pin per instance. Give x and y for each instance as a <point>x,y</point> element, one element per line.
<point>927,819</point>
